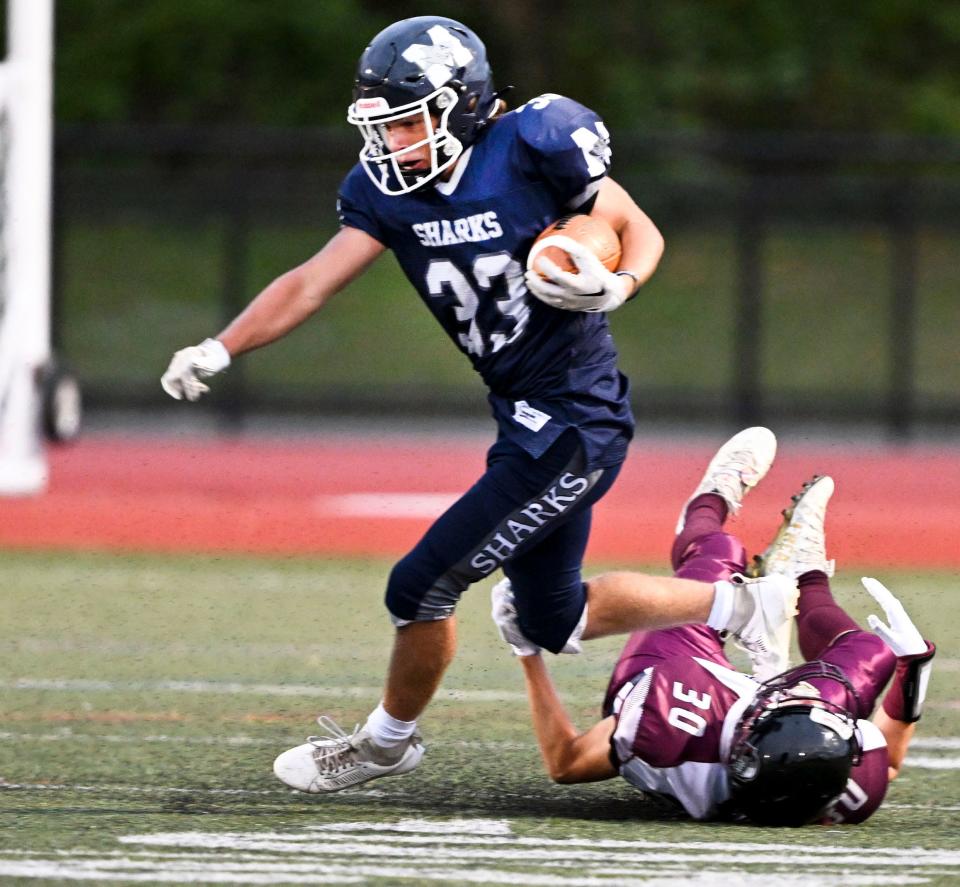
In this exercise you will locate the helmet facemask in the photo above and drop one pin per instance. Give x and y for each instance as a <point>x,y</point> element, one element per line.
<point>370,116</point>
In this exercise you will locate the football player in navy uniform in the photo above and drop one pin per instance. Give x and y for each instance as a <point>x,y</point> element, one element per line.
<point>682,725</point>
<point>459,189</point>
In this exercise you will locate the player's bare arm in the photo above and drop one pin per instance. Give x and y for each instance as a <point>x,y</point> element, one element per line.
<point>569,756</point>
<point>640,241</point>
<point>283,305</point>
<point>294,296</point>
<point>898,735</point>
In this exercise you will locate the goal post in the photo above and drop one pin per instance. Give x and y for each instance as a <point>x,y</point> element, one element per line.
<point>26,125</point>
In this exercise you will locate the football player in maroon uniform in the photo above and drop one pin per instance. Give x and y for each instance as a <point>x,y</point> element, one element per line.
<point>682,724</point>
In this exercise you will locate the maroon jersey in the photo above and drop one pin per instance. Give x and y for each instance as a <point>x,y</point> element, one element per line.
<point>676,700</point>
<point>867,785</point>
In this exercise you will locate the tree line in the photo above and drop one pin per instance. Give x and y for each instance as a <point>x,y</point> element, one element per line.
<point>738,65</point>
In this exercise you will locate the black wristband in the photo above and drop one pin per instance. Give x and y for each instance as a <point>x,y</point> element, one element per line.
<point>904,699</point>
<point>634,276</point>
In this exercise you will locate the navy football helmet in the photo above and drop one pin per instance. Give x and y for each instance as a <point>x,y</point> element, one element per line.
<point>792,751</point>
<point>429,66</point>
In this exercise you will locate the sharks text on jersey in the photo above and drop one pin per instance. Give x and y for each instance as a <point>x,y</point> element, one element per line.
<point>470,229</point>
<point>525,522</point>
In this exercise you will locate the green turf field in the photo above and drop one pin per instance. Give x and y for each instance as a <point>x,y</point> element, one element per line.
<point>144,698</point>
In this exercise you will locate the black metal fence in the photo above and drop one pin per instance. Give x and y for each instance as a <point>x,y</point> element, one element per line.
<point>745,188</point>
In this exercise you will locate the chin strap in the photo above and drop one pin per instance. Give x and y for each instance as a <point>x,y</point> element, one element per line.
<point>500,93</point>
<point>904,699</point>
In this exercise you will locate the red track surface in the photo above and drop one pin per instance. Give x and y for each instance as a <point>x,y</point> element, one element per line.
<point>893,507</point>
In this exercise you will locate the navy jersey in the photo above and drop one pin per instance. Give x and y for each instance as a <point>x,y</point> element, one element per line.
<point>463,245</point>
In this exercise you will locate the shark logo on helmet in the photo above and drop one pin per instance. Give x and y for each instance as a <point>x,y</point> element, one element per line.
<point>439,59</point>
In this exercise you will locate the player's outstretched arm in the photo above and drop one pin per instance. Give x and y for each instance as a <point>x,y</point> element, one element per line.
<point>569,756</point>
<point>283,305</point>
<point>903,702</point>
<point>296,295</point>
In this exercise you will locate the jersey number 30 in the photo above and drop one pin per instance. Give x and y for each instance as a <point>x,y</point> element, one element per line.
<point>682,718</point>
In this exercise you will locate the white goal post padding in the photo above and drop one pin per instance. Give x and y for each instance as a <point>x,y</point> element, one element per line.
<point>26,124</point>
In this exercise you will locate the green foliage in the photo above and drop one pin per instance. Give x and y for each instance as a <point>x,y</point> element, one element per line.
<point>206,61</point>
<point>879,65</point>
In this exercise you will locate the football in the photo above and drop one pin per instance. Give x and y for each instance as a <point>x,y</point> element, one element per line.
<point>591,232</point>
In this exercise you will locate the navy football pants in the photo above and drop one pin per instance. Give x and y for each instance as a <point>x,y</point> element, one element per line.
<point>530,517</point>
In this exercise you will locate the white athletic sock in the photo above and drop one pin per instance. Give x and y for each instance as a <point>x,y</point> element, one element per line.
<point>385,730</point>
<point>722,610</point>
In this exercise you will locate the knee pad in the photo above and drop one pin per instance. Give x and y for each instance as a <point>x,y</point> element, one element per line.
<point>412,596</point>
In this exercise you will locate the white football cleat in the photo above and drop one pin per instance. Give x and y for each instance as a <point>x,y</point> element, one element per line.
<point>739,465</point>
<point>342,760</point>
<point>762,621</point>
<point>800,544</point>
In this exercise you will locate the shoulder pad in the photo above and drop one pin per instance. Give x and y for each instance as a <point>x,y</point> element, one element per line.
<point>546,122</point>
<point>567,143</point>
<point>871,735</point>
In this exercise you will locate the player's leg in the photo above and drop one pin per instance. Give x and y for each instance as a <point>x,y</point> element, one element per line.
<point>421,653</point>
<point>826,632</point>
<point>621,602</point>
<point>555,609</point>
<point>517,506</point>
<point>702,550</point>
<point>799,550</point>
<point>516,503</point>
<point>820,619</point>
<point>738,466</point>
<point>548,589</point>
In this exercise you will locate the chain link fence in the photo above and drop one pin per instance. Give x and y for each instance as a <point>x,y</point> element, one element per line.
<point>806,277</point>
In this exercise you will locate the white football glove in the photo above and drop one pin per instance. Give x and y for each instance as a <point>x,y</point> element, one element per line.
<point>901,634</point>
<point>593,289</point>
<point>504,613</point>
<point>190,365</point>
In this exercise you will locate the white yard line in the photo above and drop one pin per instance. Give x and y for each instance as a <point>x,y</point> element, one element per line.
<point>937,743</point>
<point>919,762</point>
<point>928,762</point>
<point>64,734</point>
<point>233,688</point>
<point>401,506</point>
<point>936,808</point>
<point>133,789</point>
<point>431,838</point>
<point>240,688</point>
<point>480,851</point>
<point>352,873</point>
